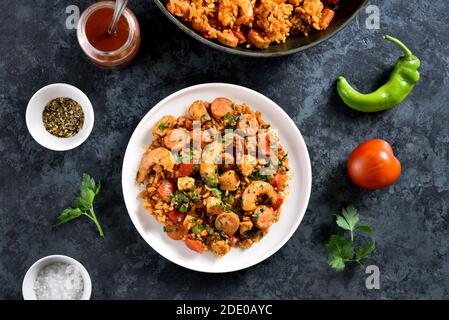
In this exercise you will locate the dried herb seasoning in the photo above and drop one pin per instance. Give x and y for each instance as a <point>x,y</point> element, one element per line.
<point>63,117</point>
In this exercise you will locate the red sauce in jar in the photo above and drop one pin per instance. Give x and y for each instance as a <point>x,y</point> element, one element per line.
<point>97,30</point>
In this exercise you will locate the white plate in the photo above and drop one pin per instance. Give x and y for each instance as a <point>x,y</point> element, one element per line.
<point>293,208</point>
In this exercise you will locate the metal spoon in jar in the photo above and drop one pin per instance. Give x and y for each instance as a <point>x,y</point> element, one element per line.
<point>120,6</point>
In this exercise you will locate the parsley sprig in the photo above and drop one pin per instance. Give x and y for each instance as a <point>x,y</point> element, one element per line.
<point>345,250</point>
<point>84,204</point>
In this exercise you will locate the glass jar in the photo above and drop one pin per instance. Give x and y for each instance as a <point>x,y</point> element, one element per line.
<point>117,58</point>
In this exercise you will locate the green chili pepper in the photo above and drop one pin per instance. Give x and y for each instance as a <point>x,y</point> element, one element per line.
<point>402,80</point>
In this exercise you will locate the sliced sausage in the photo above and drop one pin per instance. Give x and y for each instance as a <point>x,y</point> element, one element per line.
<point>198,111</point>
<point>221,107</point>
<point>228,222</point>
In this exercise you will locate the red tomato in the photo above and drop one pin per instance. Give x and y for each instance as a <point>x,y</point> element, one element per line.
<point>186,169</point>
<point>279,180</point>
<point>166,189</point>
<point>194,245</point>
<point>278,203</point>
<point>372,165</point>
<point>176,216</point>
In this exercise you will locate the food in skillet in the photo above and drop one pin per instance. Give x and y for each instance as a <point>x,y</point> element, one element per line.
<point>254,22</point>
<point>217,178</point>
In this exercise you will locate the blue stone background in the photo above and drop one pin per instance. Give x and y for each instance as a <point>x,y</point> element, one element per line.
<point>411,217</point>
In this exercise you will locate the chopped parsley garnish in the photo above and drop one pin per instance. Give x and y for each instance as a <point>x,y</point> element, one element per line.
<point>255,176</point>
<point>281,161</point>
<point>216,192</point>
<point>211,180</point>
<point>180,198</point>
<point>197,229</point>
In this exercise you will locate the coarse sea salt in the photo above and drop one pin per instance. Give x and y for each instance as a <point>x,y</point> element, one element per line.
<point>59,281</point>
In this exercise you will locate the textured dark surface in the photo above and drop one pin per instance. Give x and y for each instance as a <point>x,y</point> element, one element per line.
<point>411,218</point>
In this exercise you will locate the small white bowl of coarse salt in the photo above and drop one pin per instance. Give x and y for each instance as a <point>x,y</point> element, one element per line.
<point>57,277</point>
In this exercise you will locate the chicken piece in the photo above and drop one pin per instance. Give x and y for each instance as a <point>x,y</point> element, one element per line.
<point>245,226</point>
<point>326,18</point>
<point>213,205</point>
<point>191,221</point>
<point>258,40</point>
<point>186,183</point>
<point>247,165</point>
<point>229,181</point>
<point>163,125</point>
<point>228,38</point>
<point>209,174</point>
<point>178,8</point>
<point>313,8</point>
<point>248,124</point>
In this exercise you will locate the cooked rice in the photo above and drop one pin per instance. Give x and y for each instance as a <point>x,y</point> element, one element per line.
<point>254,22</point>
<point>174,207</point>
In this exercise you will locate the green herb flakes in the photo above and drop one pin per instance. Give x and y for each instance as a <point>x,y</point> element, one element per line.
<point>63,117</point>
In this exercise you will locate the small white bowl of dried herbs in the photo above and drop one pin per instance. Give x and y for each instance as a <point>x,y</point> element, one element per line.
<point>59,117</point>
